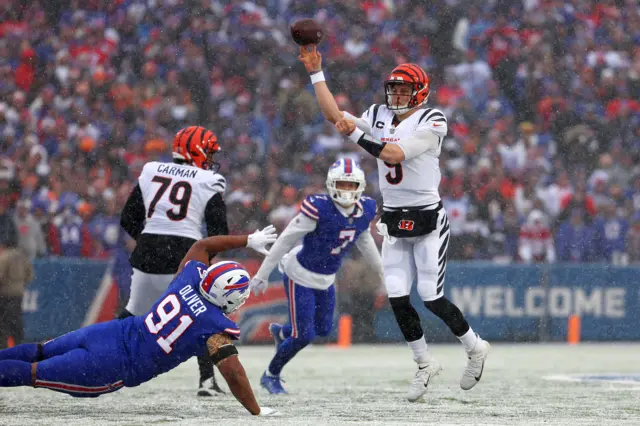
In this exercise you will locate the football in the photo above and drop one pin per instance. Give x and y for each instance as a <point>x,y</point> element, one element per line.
<point>306,31</point>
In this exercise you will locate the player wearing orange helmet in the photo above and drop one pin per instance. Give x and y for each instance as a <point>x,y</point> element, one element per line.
<point>196,146</point>
<point>165,214</point>
<point>406,137</point>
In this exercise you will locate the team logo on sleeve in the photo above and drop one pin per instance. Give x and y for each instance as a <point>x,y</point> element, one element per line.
<point>406,225</point>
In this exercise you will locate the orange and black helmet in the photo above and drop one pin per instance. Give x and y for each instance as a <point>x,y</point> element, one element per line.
<point>196,145</point>
<point>408,74</point>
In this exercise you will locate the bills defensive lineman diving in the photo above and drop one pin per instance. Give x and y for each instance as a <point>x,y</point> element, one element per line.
<point>188,320</point>
<point>329,225</point>
<point>406,139</point>
<point>166,213</point>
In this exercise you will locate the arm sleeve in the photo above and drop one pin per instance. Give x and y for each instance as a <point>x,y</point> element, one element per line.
<point>428,135</point>
<point>361,123</point>
<point>133,214</point>
<point>369,250</point>
<point>297,228</point>
<point>215,216</point>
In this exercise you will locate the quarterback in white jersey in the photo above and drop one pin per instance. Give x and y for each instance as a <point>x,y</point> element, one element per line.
<point>165,213</point>
<point>406,138</point>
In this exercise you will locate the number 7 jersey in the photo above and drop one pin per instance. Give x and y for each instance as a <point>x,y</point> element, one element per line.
<point>415,181</point>
<point>175,198</point>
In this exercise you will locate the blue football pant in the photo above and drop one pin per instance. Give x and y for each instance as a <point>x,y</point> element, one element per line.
<point>310,314</point>
<point>84,363</point>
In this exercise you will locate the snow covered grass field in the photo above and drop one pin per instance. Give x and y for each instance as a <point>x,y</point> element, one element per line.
<point>524,384</point>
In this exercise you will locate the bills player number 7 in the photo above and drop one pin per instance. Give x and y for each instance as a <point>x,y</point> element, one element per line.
<point>346,236</point>
<point>154,328</point>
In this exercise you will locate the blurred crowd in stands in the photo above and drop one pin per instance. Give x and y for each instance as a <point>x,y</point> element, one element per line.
<point>541,164</point>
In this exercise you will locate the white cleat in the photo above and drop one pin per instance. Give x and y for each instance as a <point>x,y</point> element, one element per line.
<point>423,376</point>
<point>475,365</point>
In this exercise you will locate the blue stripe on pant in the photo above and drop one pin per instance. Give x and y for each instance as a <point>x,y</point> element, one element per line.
<point>310,314</point>
<point>84,363</point>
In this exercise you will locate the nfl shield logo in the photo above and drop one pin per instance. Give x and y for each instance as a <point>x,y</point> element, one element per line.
<point>392,130</point>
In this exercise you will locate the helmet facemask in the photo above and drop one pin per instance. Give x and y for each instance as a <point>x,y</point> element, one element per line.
<point>345,182</point>
<point>415,85</point>
<point>209,163</point>
<point>396,89</point>
<point>345,192</point>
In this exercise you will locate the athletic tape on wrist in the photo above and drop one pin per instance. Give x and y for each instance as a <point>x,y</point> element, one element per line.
<point>317,77</point>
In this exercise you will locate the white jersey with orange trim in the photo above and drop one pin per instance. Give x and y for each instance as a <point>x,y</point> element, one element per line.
<point>414,181</point>
<point>175,197</point>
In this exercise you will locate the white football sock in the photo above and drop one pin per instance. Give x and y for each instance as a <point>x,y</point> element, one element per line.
<point>469,340</point>
<point>419,349</point>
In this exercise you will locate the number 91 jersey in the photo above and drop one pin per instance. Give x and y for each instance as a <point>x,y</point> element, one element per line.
<point>176,328</point>
<point>323,249</point>
<point>175,197</point>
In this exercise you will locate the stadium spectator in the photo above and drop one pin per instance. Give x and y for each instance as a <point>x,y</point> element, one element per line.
<point>535,243</point>
<point>8,229</point>
<point>576,240</point>
<point>16,272</point>
<point>611,232</point>
<point>68,234</point>
<point>89,91</point>
<point>31,239</point>
<point>633,239</point>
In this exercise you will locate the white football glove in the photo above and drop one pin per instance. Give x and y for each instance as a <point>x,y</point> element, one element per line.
<point>258,285</point>
<point>384,231</point>
<point>260,239</point>
<point>266,411</point>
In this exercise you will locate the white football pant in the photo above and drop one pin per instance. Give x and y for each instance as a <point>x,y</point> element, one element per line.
<point>146,289</point>
<point>421,258</point>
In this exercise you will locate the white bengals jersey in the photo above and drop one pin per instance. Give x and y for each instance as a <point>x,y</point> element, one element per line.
<point>175,197</point>
<point>415,181</point>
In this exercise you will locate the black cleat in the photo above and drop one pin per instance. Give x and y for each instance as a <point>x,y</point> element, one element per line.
<point>209,387</point>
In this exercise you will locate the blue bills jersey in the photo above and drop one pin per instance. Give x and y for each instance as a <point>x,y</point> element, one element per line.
<point>175,329</point>
<point>323,249</point>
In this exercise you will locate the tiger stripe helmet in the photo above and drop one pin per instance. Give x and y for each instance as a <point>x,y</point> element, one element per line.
<point>408,74</point>
<point>196,145</point>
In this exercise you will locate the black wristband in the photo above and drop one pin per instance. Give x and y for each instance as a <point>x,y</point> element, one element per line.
<point>223,353</point>
<point>370,146</point>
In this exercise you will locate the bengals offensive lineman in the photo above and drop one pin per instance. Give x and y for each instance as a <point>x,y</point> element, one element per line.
<point>166,213</point>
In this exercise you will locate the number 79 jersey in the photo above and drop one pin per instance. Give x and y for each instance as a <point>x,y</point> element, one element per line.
<point>175,197</point>
<point>415,181</point>
<point>176,328</point>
